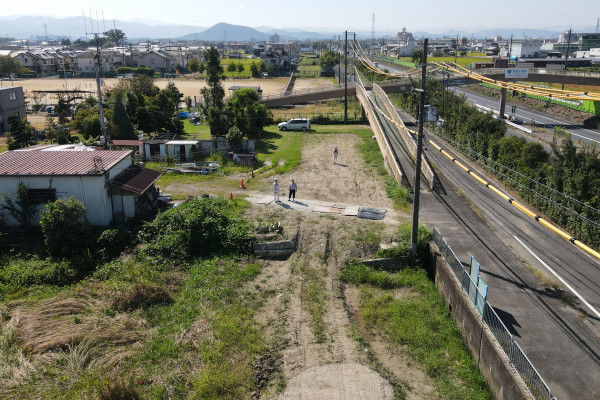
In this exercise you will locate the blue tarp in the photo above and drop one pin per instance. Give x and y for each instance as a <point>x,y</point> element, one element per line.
<point>183,114</point>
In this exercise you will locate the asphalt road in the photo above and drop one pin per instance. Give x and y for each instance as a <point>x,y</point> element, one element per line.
<point>541,119</point>
<point>557,331</point>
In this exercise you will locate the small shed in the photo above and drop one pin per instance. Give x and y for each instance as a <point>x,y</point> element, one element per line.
<point>137,146</point>
<point>182,149</point>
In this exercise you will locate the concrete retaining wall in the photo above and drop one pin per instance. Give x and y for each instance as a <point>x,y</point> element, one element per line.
<point>493,363</point>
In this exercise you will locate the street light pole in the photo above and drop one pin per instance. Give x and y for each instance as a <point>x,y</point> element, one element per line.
<point>415,223</point>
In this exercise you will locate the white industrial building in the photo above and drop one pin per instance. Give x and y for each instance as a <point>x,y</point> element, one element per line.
<point>106,182</point>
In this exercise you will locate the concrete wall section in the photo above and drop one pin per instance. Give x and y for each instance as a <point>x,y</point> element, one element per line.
<point>493,363</point>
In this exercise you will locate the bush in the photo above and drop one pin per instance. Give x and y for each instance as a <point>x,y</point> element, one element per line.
<point>200,227</point>
<point>20,271</point>
<point>113,241</point>
<point>64,227</point>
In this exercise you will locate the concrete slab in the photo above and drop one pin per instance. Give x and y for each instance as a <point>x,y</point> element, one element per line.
<point>351,211</point>
<point>321,209</point>
<point>265,200</point>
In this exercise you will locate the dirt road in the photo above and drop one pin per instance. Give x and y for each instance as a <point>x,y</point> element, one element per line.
<point>310,314</point>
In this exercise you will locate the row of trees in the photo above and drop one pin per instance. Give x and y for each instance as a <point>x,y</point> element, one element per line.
<point>256,68</point>
<point>244,111</point>
<point>135,103</point>
<point>564,183</point>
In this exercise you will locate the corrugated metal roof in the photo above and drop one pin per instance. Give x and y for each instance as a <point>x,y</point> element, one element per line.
<point>135,179</point>
<point>59,162</point>
<point>122,142</point>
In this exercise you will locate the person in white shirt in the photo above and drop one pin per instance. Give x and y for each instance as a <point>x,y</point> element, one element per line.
<point>292,188</point>
<point>276,190</point>
<point>335,154</point>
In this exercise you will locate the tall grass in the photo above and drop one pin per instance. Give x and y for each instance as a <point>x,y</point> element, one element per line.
<point>419,322</point>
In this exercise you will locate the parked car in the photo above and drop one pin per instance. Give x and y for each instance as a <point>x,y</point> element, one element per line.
<point>295,124</point>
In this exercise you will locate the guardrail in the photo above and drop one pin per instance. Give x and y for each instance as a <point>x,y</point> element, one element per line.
<point>386,150</point>
<point>304,92</point>
<point>534,382</point>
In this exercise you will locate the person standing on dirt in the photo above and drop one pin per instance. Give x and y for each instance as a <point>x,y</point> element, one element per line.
<point>276,190</point>
<point>335,154</point>
<point>293,188</point>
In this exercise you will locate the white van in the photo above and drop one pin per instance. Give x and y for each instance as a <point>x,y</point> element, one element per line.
<point>295,124</point>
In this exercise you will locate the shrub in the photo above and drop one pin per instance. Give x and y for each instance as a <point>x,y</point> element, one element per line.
<point>64,227</point>
<point>200,227</point>
<point>20,271</point>
<point>113,241</point>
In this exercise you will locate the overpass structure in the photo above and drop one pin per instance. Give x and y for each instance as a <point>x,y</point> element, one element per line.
<point>479,217</point>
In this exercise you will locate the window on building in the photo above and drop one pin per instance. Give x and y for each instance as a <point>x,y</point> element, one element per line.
<point>42,196</point>
<point>12,96</point>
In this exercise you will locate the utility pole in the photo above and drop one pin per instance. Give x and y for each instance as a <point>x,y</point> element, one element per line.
<point>567,55</point>
<point>415,223</point>
<point>345,79</point>
<point>339,60</point>
<point>102,123</point>
<point>509,51</point>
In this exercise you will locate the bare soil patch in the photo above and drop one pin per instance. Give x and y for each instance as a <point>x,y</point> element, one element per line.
<point>189,87</point>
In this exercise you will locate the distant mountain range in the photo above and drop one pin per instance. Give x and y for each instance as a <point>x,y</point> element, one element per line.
<point>76,27</point>
<point>23,27</point>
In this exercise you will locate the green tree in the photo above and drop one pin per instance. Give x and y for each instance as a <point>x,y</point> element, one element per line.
<point>193,65</point>
<point>214,94</point>
<point>201,67</point>
<point>64,227</point>
<point>123,128</point>
<point>240,68</point>
<point>417,56</point>
<point>117,36</point>
<point>174,95</point>
<point>9,66</point>
<point>262,67</point>
<point>86,121</point>
<point>250,116</point>
<point>145,120</point>
<point>231,68</point>
<point>463,53</point>
<point>23,208</point>
<point>188,102</point>
<point>254,69</point>
<point>19,134</point>
<point>234,137</point>
<point>328,60</point>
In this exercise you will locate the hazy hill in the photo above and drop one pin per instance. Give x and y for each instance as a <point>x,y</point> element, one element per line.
<point>223,31</point>
<point>74,27</point>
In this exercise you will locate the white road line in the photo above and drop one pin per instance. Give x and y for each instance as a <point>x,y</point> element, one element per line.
<point>559,278</point>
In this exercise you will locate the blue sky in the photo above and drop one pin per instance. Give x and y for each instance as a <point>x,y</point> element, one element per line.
<point>390,15</point>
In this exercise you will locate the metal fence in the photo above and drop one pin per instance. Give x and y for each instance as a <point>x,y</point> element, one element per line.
<point>516,356</point>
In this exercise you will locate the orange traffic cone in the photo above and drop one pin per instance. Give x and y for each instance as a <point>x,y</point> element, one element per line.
<point>230,196</point>
<point>243,184</point>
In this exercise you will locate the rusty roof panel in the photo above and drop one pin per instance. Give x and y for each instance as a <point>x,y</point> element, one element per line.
<point>59,162</point>
<point>135,179</point>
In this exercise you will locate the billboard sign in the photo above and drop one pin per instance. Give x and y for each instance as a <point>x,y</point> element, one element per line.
<point>516,73</point>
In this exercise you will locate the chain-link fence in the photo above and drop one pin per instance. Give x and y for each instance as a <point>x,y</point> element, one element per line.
<point>517,358</point>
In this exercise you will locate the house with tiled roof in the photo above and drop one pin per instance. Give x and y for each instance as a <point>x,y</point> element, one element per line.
<point>107,182</point>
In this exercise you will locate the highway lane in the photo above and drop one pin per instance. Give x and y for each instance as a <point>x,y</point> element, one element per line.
<point>562,340</point>
<point>541,119</point>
